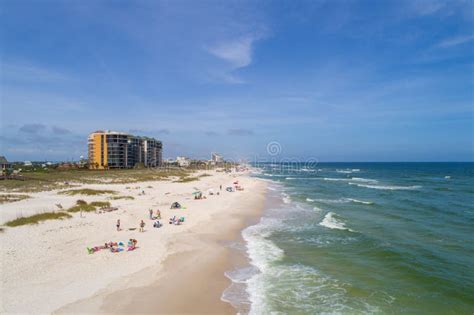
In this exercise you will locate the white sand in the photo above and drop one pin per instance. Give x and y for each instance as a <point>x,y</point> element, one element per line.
<point>46,266</point>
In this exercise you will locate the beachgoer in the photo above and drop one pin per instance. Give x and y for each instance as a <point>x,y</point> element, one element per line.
<point>158,214</point>
<point>151,214</point>
<point>220,187</point>
<point>118,225</point>
<point>142,225</point>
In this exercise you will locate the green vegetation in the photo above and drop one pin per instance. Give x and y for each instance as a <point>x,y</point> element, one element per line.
<point>12,198</point>
<point>185,179</point>
<point>205,175</point>
<point>100,204</point>
<point>121,197</point>
<point>87,192</point>
<point>82,205</point>
<point>34,219</point>
<point>50,179</point>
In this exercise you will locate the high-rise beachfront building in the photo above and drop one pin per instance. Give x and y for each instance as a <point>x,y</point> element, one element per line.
<point>111,149</point>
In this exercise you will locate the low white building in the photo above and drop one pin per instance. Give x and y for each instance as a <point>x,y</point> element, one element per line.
<point>216,158</point>
<point>183,161</point>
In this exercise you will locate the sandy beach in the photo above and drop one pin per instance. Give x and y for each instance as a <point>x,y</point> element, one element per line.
<point>46,268</point>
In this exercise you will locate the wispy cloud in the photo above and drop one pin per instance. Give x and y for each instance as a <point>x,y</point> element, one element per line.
<point>454,41</point>
<point>32,128</point>
<point>427,7</point>
<point>60,131</point>
<point>237,53</point>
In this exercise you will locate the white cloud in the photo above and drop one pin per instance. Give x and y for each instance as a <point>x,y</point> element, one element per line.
<point>428,7</point>
<point>237,52</point>
<point>454,41</point>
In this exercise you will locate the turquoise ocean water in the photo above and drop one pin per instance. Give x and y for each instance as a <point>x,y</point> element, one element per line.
<point>359,238</point>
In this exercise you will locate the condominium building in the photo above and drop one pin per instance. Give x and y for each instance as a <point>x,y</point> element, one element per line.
<point>110,149</point>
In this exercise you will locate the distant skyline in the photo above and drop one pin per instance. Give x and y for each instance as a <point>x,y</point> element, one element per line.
<point>327,80</point>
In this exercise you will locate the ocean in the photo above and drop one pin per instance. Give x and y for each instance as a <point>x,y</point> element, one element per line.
<point>360,238</point>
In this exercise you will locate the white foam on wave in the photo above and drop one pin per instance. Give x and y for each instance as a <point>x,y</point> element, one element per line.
<point>344,171</point>
<point>335,179</point>
<point>365,180</point>
<point>340,200</point>
<point>356,179</point>
<point>305,178</point>
<point>286,198</point>
<point>242,275</point>
<point>262,253</point>
<point>382,187</point>
<point>330,221</point>
<point>360,201</point>
<point>273,175</point>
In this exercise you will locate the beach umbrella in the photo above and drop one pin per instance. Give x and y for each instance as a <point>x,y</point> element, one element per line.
<point>196,193</point>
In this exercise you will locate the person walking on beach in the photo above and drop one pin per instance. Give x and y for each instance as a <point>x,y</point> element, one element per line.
<point>220,187</point>
<point>151,214</point>
<point>118,225</point>
<point>142,226</point>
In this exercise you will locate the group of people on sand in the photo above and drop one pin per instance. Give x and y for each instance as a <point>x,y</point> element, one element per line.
<point>114,247</point>
<point>158,214</point>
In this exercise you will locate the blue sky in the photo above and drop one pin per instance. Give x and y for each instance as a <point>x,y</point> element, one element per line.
<point>328,80</point>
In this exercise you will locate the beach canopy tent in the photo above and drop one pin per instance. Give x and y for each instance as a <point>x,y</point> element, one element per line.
<point>197,192</point>
<point>175,205</point>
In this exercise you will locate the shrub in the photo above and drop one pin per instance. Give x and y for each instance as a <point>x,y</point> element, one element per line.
<point>34,219</point>
<point>121,197</point>
<point>100,204</point>
<point>87,192</point>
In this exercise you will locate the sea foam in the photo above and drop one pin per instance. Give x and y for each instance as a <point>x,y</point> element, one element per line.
<point>330,221</point>
<point>382,187</point>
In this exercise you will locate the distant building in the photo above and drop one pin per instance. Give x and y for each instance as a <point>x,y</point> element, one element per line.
<point>27,163</point>
<point>183,161</point>
<point>110,149</point>
<point>4,164</point>
<point>216,158</point>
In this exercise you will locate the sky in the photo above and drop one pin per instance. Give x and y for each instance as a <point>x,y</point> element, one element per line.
<point>322,80</point>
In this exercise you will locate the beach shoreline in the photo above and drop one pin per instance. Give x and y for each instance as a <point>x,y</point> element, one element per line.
<point>180,271</point>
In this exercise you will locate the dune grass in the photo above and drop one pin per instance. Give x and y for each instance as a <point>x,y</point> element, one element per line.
<point>87,192</point>
<point>82,205</point>
<point>100,204</point>
<point>12,198</point>
<point>44,180</point>
<point>35,219</point>
<point>121,197</point>
<point>186,179</point>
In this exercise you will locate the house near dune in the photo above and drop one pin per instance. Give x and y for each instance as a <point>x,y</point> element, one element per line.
<point>4,164</point>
